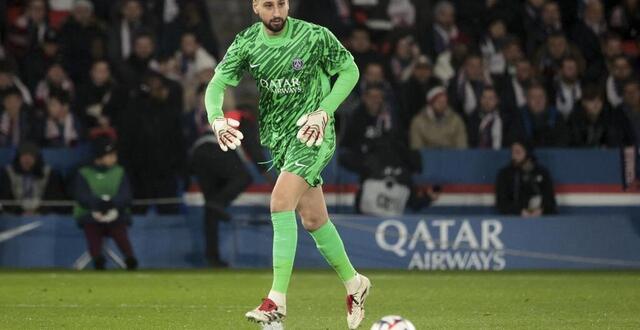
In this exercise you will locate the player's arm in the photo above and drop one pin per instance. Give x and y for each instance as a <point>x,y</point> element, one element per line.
<point>337,60</point>
<point>227,73</point>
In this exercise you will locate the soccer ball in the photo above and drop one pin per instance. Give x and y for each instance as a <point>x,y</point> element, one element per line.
<point>273,326</point>
<point>393,322</point>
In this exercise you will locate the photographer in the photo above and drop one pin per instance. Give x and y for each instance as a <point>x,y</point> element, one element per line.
<point>384,164</point>
<point>524,187</point>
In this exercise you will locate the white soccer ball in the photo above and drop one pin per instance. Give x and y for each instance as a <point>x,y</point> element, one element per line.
<point>393,322</point>
<point>273,326</point>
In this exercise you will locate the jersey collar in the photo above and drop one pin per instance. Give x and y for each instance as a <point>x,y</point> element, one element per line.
<point>279,39</point>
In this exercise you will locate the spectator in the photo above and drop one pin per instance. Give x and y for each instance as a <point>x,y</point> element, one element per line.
<point>191,60</point>
<point>139,62</point>
<point>414,91</point>
<point>621,72</point>
<point>524,187</point>
<point>492,46</point>
<point>372,149</point>
<point>362,49</point>
<point>449,63</point>
<point>61,128</point>
<point>231,177</point>
<point>475,15</point>
<point>504,67</point>
<point>611,48</point>
<point>99,102</point>
<point>566,87</point>
<point>123,31</point>
<point>467,86</point>
<point>402,14</point>
<point>192,57</point>
<point>370,121</point>
<point>596,125</point>
<point>332,14</point>
<point>9,80</point>
<point>29,30</point>
<point>587,35</point>
<point>486,126</point>
<point>76,35</point>
<point>404,59</point>
<point>437,125</point>
<point>103,199</point>
<point>29,182</point>
<point>631,106</point>
<point>152,144</point>
<point>374,75</point>
<point>15,121</point>
<point>549,58</point>
<point>532,24</point>
<point>192,18</point>
<point>442,32</point>
<point>541,19</point>
<point>514,88</point>
<point>56,81</point>
<point>625,19</point>
<point>538,123</point>
<point>38,60</point>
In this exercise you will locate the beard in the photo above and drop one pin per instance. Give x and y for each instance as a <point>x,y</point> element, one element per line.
<point>275,25</point>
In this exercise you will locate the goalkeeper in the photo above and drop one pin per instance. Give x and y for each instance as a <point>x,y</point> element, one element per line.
<point>292,62</point>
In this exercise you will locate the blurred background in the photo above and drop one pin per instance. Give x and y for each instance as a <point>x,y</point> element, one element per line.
<point>500,129</point>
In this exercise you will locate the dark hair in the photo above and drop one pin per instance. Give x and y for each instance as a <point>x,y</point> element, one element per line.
<point>184,34</point>
<point>62,97</point>
<point>557,34</point>
<point>592,92</point>
<point>536,85</point>
<point>13,90</point>
<point>632,82</point>
<point>373,86</point>
<point>144,33</point>
<point>489,88</point>
<point>621,57</point>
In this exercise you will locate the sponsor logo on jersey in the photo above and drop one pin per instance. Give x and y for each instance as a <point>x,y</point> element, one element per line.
<point>298,64</point>
<point>282,86</point>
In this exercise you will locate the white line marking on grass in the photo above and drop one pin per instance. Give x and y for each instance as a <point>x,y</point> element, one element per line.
<point>105,306</point>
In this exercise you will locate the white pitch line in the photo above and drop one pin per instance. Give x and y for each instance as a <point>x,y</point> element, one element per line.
<point>106,306</point>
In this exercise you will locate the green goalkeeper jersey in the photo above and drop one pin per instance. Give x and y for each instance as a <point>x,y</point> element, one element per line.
<point>292,72</point>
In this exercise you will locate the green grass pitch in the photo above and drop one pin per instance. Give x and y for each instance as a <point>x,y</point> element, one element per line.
<point>219,299</point>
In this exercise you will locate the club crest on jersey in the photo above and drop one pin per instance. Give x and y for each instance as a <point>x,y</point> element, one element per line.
<point>298,64</point>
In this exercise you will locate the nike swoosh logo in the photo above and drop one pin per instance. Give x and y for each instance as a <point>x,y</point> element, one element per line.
<point>300,165</point>
<point>254,65</point>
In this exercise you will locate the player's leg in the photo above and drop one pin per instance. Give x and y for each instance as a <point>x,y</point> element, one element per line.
<point>315,219</point>
<point>284,198</point>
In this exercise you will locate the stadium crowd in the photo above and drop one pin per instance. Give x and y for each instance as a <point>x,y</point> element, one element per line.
<point>434,74</point>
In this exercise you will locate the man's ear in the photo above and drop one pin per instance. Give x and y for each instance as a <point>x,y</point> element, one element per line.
<point>255,6</point>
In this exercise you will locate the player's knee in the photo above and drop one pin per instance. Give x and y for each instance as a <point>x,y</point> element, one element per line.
<point>312,222</point>
<point>280,203</point>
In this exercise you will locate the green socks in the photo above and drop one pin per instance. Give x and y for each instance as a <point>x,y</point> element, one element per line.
<point>285,240</point>
<point>330,246</point>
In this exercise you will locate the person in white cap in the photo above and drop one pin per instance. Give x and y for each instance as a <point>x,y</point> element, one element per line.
<point>437,125</point>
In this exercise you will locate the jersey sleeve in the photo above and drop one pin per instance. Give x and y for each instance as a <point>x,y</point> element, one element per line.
<point>234,63</point>
<point>335,57</point>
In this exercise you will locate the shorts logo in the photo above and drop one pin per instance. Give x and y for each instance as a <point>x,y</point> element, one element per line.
<point>297,163</point>
<point>298,64</point>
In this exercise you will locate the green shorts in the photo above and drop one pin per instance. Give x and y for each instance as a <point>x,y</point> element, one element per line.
<point>307,162</point>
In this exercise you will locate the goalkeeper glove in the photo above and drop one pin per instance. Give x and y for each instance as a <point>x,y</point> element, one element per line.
<point>312,127</point>
<point>227,134</point>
